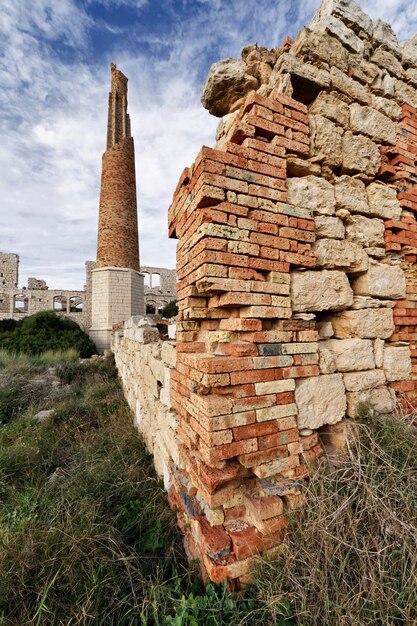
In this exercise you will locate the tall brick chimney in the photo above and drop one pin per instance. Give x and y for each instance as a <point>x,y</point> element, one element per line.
<point>117,244</point>
<point>117,285</point>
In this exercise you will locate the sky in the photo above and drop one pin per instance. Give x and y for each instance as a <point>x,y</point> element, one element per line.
<point>55,60</point>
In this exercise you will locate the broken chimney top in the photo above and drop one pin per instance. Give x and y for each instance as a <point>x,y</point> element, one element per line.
<point>118,125</point>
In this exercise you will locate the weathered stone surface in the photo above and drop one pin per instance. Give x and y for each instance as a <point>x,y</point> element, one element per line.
<point>335,27</point>
<point>383,201</point>
<point>369,122</point>
<point>227,81</point>
<point>381,281</point>
<point>350,194</point>
<point>320,400</point>
<point>224,126</point>
<point>363,71</point>
<point>302,167</point>
<point>331,227</point>
<point>379,352</point>
<point>375,253</point>
<point>319,47</point>
<point>320,291</point>
<point>311,192</point>
<point>346,10</point>
<point>409,52</point>
<point>325,140</point>
<point>387,107</point>
<point>405,93</point>
<point>330,106</point>
<point>349,86</point>
<point>360,381</point>
<point>384,34</point>
<point>325,329</point>
<point>360,156</point>
<point>349,354</point>
<point>397,363</point>
<point>364,323</point>
<point>379,400</point>
<point>327,359</point>
<point>366,302</point>
<point>411,76</point>
<point>365,231</point>
<point>388,61</point>
<point>341,255</point>
<point>289,64</point>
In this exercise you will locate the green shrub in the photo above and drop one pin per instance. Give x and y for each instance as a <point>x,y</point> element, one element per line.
<point>170,310</point>
<point>45,331</point>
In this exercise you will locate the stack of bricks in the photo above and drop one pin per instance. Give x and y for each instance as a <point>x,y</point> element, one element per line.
<point>401,238</point>
<point>239,349</point>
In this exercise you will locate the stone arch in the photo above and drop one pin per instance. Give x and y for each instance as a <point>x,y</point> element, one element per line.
<point>20,303</point>
<point>76,304</point>
<point>156,280</point>
<point>59,303</point>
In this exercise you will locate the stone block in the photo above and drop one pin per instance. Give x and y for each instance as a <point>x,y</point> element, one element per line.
<point>349,354</point>
<point>388,107</point>
<point>383,34</point>
<point>320,400</point>
<point>340,255</point>
<point>383,202</point>
<point>381,281</point>
<point>325,140</point>
<point>330,106</point>
<point>329,227</point>
<point>336,28</point>
<point>227,82</point>
<point>360,381</point>
<point>289,64</point>
<point>405,93</point>
<point>397,363</point>
<point>319,46</point>
<point>320,291</point>
<point>313,193</point>
<point>367,121</point>
<point>349,86</point>
<point>379,400</point>
<point>360,156</point>
<point>365,231</point>
<point>346,10</point>
<point>364,323</point>
<point>388,62</point>
<point>350,194</point>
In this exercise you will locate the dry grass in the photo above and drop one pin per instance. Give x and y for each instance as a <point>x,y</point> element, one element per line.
<point>351,558</point>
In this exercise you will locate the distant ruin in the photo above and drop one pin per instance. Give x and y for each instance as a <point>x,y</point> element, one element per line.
<point>297,286</point>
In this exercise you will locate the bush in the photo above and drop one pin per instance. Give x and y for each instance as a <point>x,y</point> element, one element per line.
<point>170,310</point>
<point>45,331</point>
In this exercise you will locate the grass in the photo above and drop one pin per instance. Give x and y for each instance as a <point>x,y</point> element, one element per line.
<point>87,537</point>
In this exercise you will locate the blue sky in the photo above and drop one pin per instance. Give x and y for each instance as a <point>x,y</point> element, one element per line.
<point>54,81</point>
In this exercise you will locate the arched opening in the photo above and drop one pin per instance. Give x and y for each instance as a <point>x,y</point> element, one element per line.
<point>20,303</point>
<point>76,304</point>
<point>59,303</point>
<point>156,281</point>
<point>146,279</point>
<point>150,309</point>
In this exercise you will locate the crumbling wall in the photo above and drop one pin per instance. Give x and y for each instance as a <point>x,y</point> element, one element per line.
<point>297,285</point>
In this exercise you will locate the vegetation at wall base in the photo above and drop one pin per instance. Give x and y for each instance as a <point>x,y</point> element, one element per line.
<point>87,537</point>
<point>44,331</point>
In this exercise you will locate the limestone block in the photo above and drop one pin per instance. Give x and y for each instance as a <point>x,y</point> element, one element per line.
<point>325,329</point>
<point>363,323</point>
<point>318,46</point>
<point>335,27</point>
<point>302,167</point>
<point>320,400</point>
<point>146,334</point>
<point>384,34</point>
<point>346,10</point>
<point>405,93</point>
<point>311,192</point>
<point>411,76</point>
<point>341,255</point>
<point>325,140</point>
<point>366,302</point>
<point>224,126</point>
<point>349,86</point>
<point>360,381</point>
<point>169,353</point>
<point>360,156</point>
<point>388,61</point>
<point>349,354</point>
<point>289,64</point>
<point>379,352</point>
<point>383,201</point>
<point>227,82</point>
<point>365,231</point>
<point>327,360</point>
<point>379,400</point>
<point>320,291</point>
<point>381,281</point>
<point>397,363</point>
<point>350,194</point>
<point>331,227</point>
<point>364,71</point>
<point>330,106</point>
<point>409,52</point>
<point>365,120</point>
<point>390,108</point>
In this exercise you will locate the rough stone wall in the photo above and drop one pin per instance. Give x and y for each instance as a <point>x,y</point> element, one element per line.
<point>9,270</point>
<point>145,364</point>
<point>117,244</point>
<point>165,292</point>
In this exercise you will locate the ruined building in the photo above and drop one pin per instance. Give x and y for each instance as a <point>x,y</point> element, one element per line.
<point>297,287</point>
